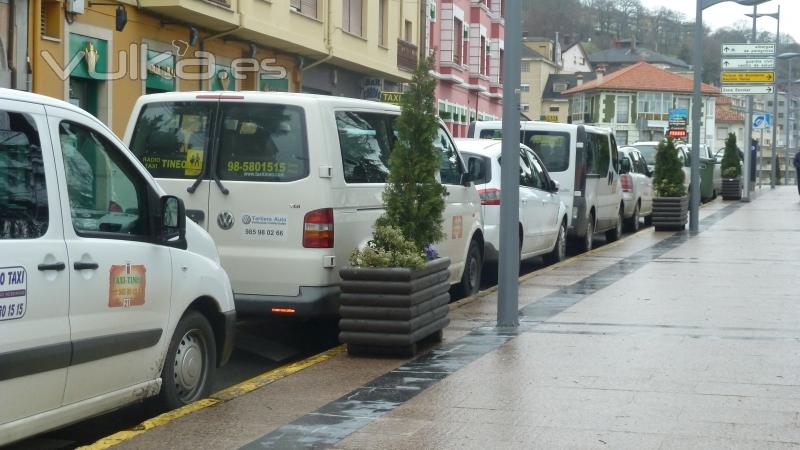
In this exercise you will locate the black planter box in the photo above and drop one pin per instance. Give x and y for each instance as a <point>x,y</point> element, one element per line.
<point>389,310</point>
<point>731,189</point>
<point>670,213</point>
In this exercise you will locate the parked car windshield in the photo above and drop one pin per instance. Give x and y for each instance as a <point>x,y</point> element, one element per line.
<point>648,151</point>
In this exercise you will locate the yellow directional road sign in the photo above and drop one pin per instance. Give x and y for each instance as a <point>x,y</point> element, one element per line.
<point>748,77</point>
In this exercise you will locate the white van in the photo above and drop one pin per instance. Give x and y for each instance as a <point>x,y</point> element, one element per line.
<point>107,294</point>
<point>288,185</point>
<point>585,162</point>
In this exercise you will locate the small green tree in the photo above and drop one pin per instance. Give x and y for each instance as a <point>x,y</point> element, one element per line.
<point>731,166</point>
<point>414,198</point>
<point>668,179</point>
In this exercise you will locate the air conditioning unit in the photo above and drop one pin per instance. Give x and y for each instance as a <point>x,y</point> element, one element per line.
<point>75,6</point>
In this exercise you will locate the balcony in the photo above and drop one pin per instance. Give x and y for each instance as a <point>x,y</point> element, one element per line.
<point>407,55</point>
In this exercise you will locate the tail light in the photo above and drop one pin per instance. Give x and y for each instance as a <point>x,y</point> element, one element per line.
<point>627,182</point>
<point>489,196</point>
<point>318,229</point>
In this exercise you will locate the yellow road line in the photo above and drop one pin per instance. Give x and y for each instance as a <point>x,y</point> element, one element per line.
<point>217,398</point>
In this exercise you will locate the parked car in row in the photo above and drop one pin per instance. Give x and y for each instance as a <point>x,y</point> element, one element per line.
<point>542,215</point>
<point>585,162</point>
<point>710,174</point>
<point>288,185</point>
<point>637,187</point>
<point>107,295</point>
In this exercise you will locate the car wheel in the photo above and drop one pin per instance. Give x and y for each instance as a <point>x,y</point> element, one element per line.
<point>588,240</point>
<point>189,365</point>
<point>616,233</point>
<point>471,278</point>
<point>559,252</point>
<point>632,224</point>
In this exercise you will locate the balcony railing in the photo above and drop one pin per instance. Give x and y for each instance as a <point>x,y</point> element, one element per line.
<point>407,55</point>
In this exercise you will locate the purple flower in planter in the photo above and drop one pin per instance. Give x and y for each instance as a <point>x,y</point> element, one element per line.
<point>431,252</point>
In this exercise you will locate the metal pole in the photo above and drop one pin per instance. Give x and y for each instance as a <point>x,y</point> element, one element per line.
<point>775,111</point>
<point>748,131</point>
<point>508,277</point>
<point>759,158</point>
<point>697,64</point>
<point>788,128</point>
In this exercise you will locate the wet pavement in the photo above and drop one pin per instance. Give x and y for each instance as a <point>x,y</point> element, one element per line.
<point>657,341</point>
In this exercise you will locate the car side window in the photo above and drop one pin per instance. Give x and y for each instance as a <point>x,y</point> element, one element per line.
<point>450,169</point>
<point>543,180</point>
<point>527,177</point>
<point>106,194</point>
<point>614,152</point>
<point>24,211</point>
<point>365,141</point>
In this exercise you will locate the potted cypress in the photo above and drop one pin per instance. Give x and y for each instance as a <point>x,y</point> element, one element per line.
<point>671,204</point>
<point>731,170</point>
<point>396,291</point>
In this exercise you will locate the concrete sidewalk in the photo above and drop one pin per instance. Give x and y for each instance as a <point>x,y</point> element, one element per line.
<point>657,341</point>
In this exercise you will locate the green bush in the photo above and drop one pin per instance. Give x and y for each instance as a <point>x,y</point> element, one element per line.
<point>731,165</point>
<point>668,178</point>
<point>388,248</point>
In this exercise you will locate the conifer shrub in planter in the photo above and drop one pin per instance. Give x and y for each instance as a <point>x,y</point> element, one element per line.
<point>731,169</point>
<point>396,291</point>
<point>670,204</point>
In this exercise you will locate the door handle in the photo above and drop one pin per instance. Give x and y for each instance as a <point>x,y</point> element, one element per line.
<point>85,265</point>
<point>57,266</point>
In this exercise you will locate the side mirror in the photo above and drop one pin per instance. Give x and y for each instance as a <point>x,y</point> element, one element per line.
<point>554,186</point>
<point>476,169</point>
<point>466,179</point>
<point>173,222</point>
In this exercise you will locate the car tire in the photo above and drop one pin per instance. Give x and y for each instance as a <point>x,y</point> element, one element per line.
<point>190,362</point>
<point>470,282</point>
<point>559,252</point>
<point>616,233</point>
<point>632,224</point>
<point>588,240</point>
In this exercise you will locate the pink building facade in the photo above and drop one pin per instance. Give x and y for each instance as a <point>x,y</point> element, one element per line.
<point>467,38</point>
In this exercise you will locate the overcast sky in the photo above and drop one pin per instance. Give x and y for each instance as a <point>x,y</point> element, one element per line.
<point>728,13</point>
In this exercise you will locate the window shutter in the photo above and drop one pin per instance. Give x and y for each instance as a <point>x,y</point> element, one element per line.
<point>295,4</point>
<point>355,16</point>
<point>345,15</point>
<point>309,7</point>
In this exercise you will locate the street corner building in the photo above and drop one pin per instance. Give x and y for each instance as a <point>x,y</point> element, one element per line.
<point>102,55</point>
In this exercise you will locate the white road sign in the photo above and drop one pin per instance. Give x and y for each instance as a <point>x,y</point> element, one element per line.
<point>748,49</point>
<point>747,89</point>
<point>748,63</point>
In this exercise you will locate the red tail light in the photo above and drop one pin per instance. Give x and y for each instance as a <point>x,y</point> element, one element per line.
<point>627,182</point>
<point>489,196</point>
<point>318,229</point>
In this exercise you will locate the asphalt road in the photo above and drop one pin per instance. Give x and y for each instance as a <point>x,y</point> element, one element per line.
<point>261,345</point>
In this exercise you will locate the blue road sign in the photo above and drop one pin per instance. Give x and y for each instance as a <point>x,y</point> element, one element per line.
<point>762,121</point>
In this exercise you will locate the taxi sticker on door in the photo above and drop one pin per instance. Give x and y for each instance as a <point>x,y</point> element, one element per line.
<point>13,292</point>
<point>458,227</point>
<point>126,285</point>
<point>264,227</point>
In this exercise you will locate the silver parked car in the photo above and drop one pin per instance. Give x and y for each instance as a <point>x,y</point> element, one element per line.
<point>637,187</point>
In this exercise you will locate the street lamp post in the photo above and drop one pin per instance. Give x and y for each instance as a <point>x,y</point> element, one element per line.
<point>697,63</point>
<point>774,159</point>
<point>789,57</point>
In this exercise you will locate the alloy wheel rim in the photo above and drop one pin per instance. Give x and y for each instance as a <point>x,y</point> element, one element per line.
<point>189,365</point>
<point>473,273</point>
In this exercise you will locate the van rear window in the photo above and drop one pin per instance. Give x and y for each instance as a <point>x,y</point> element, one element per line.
<point>262,142</point>
<point>552,148</point>
<point>171,138</point>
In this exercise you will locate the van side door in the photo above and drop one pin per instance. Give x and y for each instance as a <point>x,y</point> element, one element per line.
<point>34,304</point>
<point>120,281</point>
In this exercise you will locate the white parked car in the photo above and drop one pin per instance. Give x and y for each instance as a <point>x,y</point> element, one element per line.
<point>637,187</point>
<point>585,162</point>
<point>542,214</point>
<point>107,294</point>
<point>288,185</point>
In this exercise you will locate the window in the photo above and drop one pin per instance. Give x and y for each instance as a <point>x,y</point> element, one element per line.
<point>450,169</point>
<point>539,173</point>
<point>555,109</point>
<point>172,139</point>
<point>524,107</point>
<point>622,137</point>
<point>262,142</point>
<point>525,87</point>
<point>578,108</point>
<point>458,41</point>
<point>559,87</point>
<point>104,195</point>
<point>623,105</point>
<point>551,146</point>
<point>382,22</point>
<point>51,19</point>
<point>482,70</point>
<point>525,66</point>
<point>352,13</point>
<point>654,103</point>
<point>683,102</point>
<point>597,154</point>
<point>305,7</point>
<point>527,177</point>
<point>409,31</point>
<point>23,191</point>
<point>366,141</point>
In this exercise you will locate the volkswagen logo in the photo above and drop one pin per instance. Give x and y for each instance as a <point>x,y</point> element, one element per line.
<point>246,219</point>
<point>225,220</point>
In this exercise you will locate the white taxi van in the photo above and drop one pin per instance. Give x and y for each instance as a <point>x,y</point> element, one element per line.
<point>107,294</point>
<point>288,185</point>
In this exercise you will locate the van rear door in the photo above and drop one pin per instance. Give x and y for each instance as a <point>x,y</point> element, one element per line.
<point>173,139</point>
<point>257,210</point>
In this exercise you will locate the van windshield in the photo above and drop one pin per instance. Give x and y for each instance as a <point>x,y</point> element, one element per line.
<point>552,148</point>
<point>171,138</point>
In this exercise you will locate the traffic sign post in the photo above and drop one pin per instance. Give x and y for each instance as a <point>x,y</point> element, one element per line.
<point>747,89</point>
<point>748,77</point>
<point>748,63</point>
<point>747,49</point>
